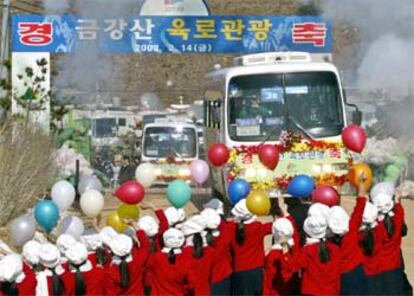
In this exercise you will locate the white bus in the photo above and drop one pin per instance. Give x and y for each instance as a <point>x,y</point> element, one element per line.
<point>264,95</point>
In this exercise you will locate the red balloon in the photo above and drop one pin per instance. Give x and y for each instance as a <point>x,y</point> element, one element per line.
<point>130,192</point>
<point>218,154</point>
<point>354,138</point>
<point>326,195</point>
<point>269,156</point>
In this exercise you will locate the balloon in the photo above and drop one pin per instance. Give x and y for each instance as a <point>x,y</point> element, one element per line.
<point>128,211</point>
<point>178,193</point>
<point>269,156</point>
<point>354,138</point>
<point>218,154</point>
<point>301,186</point>
<point>72,225</point>
<point>199,171</point>
<point>46,214</point>
<point>326,195</point>
<point>382,187</point>
<point>92,203</point>
<point>115,222</point>
<point>355,174</point>
<point>392,171</point>
<point>400,161</point>
<point>89,182</point>
<point>130,192</point>
<point>22,229</point>
<point>238,189</point>
<point>145,174</point>
<point>258,203</point>
<point>63,194</point>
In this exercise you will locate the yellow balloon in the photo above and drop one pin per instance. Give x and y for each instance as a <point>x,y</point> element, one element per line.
<point>128,211</point>
<point>258,202</point>
<point>115,222</point>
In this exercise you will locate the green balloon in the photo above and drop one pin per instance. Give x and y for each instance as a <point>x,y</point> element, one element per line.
<point>392,171</point>
<point>178,193</point>
<point>400,161</point>
<point>390,179</point>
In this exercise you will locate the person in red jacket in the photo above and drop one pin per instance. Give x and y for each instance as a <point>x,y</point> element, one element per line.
<point>392,216</point>
<point>344,232</point>
<point>15,278</point>
<point>96,252</point>
<point>276,280</point>
<point>370,242</point>
<point>248,247</point>
<point>151,228</point>
<point>167,270</point>
<point>319,260</point>
<point>125,274</point>
<point>82,278</point>
<point>199,253</point>
<point>50,279</point>
<point>170,217</point>
<point>219,236</point>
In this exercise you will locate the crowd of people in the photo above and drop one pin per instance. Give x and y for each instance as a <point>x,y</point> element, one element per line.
<point>330,253</point>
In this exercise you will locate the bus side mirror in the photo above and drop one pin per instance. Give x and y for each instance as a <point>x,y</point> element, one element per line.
<point>357,117</point>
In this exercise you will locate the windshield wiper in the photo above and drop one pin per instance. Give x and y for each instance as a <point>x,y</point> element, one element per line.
<point>300,127</point>
<point>267,137</point>
<point>176,153</point>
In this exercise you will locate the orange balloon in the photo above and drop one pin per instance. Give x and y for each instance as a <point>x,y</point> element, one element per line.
<point>258,203</point>
<point>355,174</point>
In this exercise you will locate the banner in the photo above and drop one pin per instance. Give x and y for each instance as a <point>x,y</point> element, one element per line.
<point>186,34</point>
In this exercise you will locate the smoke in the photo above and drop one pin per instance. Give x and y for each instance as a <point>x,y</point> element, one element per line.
<point>56,6</point>
<point>87,72</point>
<point>382,53</point>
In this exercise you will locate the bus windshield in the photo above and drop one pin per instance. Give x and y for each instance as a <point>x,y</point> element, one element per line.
<point>164,142</point>
<point>263,105</point>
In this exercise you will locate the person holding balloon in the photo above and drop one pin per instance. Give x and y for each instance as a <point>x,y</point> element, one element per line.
<point>345,235</point>
<point>96,252</point>
<point>318,260</point>
<point>50,279</point>
<point>248,247</point>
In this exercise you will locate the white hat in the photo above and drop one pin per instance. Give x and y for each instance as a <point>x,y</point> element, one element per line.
<point>319,209</point>
<point>282,228</point>
<point>212,218</point>
<point>174,215</point>
<point>11,267</point>
<point>315,227</point>
<point>64,241</point>
<point>31,252</point>
<point>92,241</point>
<point>216,205</point>
<point>383,202</point>
<point>241,213</point>
<point>370,214</point>
<point>195,224</point>
<point>49,255</point>
<point>107,234</point>
<point>121,245</point>
<point>77,253</point>
<point>173,238</point>
<point>148,225</point>
<point>382,187</point>
<point>338,221</point>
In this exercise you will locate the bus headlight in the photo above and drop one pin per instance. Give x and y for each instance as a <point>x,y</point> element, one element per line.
<point>261,173</point>
<point>158,171</point>
<point>250,173</point>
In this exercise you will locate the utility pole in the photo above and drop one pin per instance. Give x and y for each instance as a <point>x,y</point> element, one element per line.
<point>4,30</point>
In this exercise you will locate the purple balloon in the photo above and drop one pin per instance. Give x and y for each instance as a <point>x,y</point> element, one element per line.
<point>199,171</point>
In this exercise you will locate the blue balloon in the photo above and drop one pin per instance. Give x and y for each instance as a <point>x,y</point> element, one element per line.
<point>238,189</point>
<point>301,186</point>
<point>178,193</point>
<point>46,214</point>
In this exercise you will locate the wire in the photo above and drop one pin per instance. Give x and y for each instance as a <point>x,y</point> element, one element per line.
<point>19,8</point>
<point>31,4</point>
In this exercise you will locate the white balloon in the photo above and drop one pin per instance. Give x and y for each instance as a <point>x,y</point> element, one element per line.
<point>72,225</point>
<point>382,187</point>
<point>145,174</point>
<point>89,182</point>
<point>92,203</point>
<point>63,194</point>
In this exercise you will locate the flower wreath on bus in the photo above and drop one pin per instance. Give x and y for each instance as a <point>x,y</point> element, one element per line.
<point>290,142</point>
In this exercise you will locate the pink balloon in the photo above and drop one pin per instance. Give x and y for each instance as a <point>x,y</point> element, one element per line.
<point>326,195</point>
<point>354,138</point>
<point>199,171</point>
